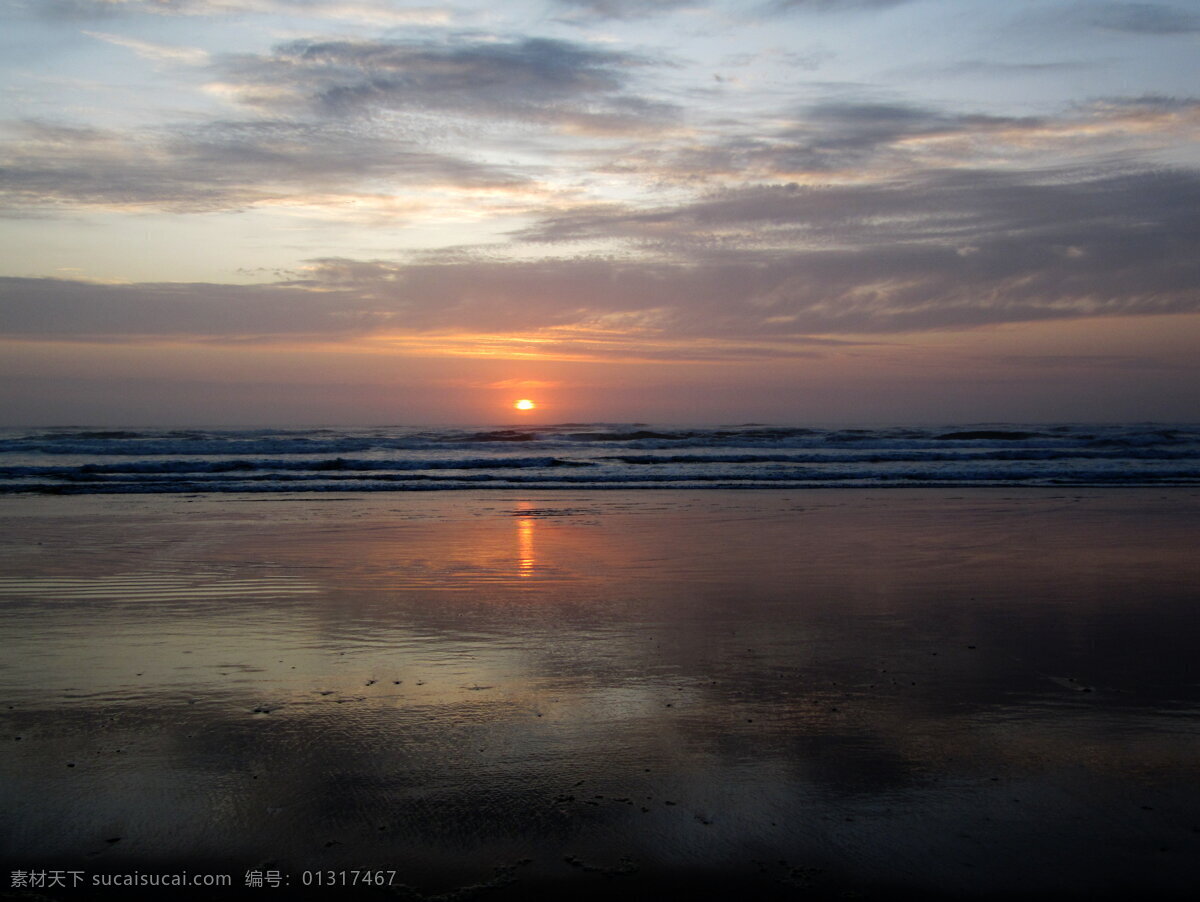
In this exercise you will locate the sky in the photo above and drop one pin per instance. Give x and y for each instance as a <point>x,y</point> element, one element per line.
<point>301,212</point>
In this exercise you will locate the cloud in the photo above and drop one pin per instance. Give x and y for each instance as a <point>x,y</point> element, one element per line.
<point>532,79</point>
<point>372,12</point>
<point>373,168</point>
<point>907,248</point>
<point>1052,248</point>
<point>826,6</point>
<point>1008,69</point>
<point>952,207</point>
<point>836,135</point>
<point>860,141</point>
<point>626,9</point>
<point>839,217</point>
<point>106,9</point>
<point>947,250</point>
<point>223,166</point>
<point>1141,18</point>
<point>365,121</point>
<point>192,56</point>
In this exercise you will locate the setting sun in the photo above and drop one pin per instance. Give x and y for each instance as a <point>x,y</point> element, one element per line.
<point>524,404</point>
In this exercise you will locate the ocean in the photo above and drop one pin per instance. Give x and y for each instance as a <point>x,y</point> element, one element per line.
<point>593,456</point>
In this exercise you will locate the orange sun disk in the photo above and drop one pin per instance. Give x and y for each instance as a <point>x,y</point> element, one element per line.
<point>524,404</point>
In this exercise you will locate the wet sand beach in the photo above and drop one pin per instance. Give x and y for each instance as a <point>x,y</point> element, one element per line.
<point>987,692</point>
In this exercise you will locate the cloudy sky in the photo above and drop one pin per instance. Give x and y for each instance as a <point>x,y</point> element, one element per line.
<point>378,211</point>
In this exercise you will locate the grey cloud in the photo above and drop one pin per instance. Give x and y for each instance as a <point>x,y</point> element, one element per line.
<point>220,166</point>
<point>339,298</point>
<point>626,9</point>
<point>1091,361</point>
<point>950,250</point>
<point>68,9</point>
<point>954,207</point>
<point>1150,103</point>
<point>769,262</point>
<point>809,60</point>
<point>997,68</point>
<point>830,131</point>
<point>532,79</point>
<point>61,307</point>
<point>823,138</point>
<point>335,143</point>
<point>308,153</point>
<point>836,137</point>
<point>831,5</point>
<point>946,249</point>
<point>104,9</point>
<point>1142,18</point>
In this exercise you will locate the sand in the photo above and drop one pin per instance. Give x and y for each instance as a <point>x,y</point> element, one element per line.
<point>800,694</point>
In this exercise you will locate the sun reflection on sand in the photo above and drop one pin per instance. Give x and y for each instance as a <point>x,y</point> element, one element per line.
<point>525,553</point>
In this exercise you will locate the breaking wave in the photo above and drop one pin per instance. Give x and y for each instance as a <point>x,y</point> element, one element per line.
<point>587,455</point>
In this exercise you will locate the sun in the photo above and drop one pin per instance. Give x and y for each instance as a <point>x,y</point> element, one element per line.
<point>525,404</point>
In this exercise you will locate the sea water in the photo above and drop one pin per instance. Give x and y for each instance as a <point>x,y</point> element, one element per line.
<point>593,456</point>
